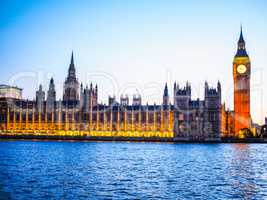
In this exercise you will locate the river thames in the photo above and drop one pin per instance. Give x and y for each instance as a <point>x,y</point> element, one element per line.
<point>121,170</point>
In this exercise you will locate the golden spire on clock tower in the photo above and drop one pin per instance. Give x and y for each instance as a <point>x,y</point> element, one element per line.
<point>241,75</point>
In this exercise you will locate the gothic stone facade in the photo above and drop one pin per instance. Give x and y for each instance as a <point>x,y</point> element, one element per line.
<point>196,119</point>
<point>80,111</point>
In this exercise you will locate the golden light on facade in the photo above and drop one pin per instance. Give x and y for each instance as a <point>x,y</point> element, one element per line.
<point>138,125</point>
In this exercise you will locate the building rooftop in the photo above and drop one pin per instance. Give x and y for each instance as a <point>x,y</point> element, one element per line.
<point>3,86</point>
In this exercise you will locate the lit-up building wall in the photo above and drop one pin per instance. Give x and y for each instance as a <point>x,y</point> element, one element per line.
<point>80,114</point>
<point>100,120</point>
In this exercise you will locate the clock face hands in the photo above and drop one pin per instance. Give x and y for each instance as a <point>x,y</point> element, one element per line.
<point>241,69</point>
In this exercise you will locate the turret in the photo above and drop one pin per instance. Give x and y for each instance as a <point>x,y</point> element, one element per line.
<point>213,109</point>
<point>212,95</point>
<point>51,97</point>
<point>166,95</point>
<point>137,100</point>
<point>81,95</point>
<point>182,96</point>
<point>124,100</point>
<point>40,98</point>
<point>111,100</point>
<point>96,90</point>
<point>219,88</point>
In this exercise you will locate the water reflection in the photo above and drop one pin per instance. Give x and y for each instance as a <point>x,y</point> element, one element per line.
<point>241,172</point>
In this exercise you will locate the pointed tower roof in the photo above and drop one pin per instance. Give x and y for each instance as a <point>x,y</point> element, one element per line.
<point>72,62</point>
<point>72,59</point>
<point>241,38</point>
<point>166,93</point>
<point>71,73</point>
<point>241,46</point>
<point>51,80</point>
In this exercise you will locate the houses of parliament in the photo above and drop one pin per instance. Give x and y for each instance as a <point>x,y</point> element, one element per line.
<point>79,113</point>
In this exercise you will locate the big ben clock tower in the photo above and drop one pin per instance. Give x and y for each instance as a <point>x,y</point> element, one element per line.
<point>241,73</point>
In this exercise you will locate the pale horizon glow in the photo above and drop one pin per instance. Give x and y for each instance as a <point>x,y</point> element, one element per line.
<point>128,47</point>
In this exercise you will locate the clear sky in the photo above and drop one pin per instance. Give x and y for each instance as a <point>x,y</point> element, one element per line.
<point>130,46</point>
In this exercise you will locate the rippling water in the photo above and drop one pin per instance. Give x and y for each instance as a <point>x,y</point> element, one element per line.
<point>107,170</point>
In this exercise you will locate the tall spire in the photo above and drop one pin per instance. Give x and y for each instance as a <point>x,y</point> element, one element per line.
<point>166,96</point>
<point>72,59</point>
<point>241,45</point>
<point>241,38</point>
<point>166,90</point>
<point>72,73</point>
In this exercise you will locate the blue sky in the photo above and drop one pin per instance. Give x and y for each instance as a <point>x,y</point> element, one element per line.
<point>133,46</point>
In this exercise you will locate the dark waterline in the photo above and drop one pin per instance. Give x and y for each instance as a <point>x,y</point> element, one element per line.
<point>121,170</point>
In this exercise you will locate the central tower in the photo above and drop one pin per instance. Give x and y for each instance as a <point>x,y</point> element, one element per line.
<point>71,85</point>
<point>241,74</point>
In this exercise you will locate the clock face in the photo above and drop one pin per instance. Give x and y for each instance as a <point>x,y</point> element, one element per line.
<point>241,69</point>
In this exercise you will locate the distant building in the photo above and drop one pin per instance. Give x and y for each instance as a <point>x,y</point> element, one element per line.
<point>12,92</point>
